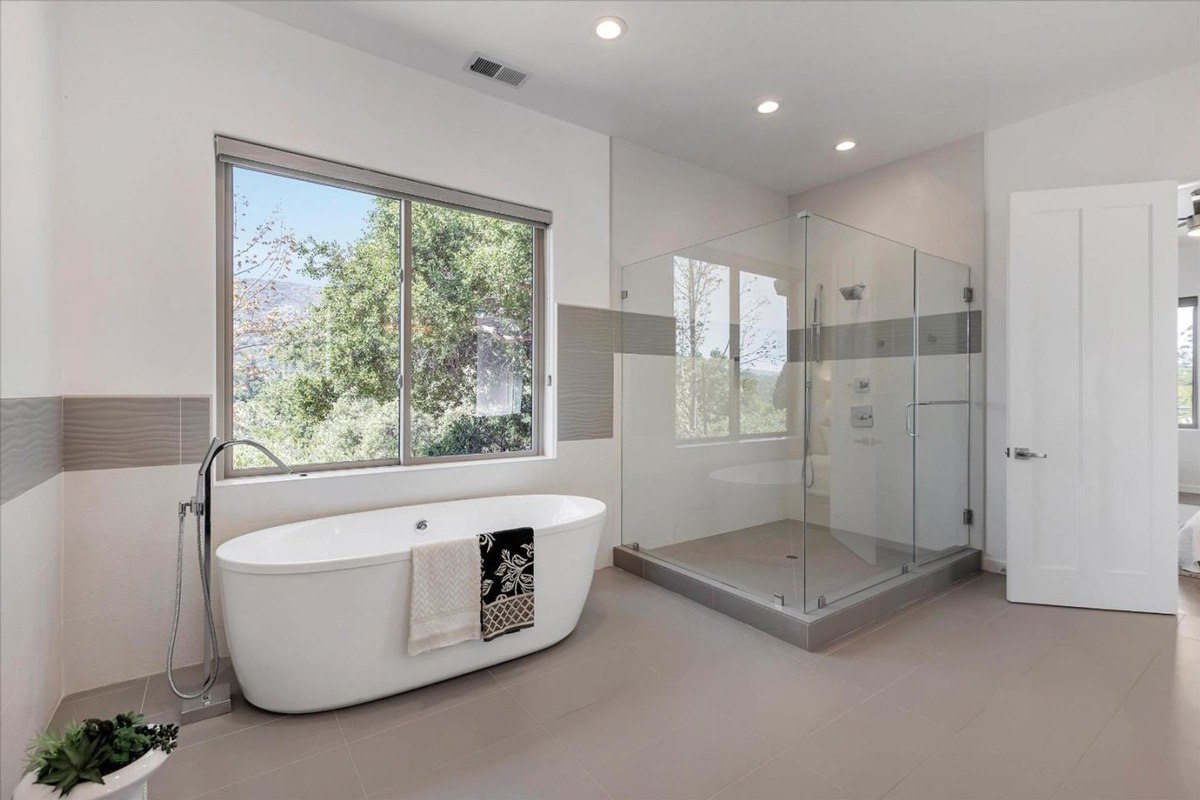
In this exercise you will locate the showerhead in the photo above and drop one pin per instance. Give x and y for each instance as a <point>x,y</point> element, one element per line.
<point>854,292</point>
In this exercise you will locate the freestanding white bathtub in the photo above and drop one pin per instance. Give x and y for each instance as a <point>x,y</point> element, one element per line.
<point>316,612</point>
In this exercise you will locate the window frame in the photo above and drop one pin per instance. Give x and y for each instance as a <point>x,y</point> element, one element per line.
<point>1190,302</point>
<point>234,153</point>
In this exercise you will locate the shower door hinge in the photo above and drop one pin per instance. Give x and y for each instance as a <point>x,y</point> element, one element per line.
<point>624,294</point>
<point>549,380</point>
<point>968,294</point>
<point>402,275</point>
<point>968,516</point>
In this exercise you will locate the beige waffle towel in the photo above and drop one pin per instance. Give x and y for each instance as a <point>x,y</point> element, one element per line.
<point>444,606</point>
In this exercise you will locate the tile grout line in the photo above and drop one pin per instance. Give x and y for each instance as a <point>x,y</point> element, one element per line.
<point>537,726</point>
<point>891,619</point>
<point>1070,771</point>
<point>109,689</point>
<point>429,712</point>
<point>264,772</point>
<point>542,726</point>
<point>145,694</point>
<point>432,769</point>
<point>227,734</point>
<point>346,742</point>
<point>872,694</point>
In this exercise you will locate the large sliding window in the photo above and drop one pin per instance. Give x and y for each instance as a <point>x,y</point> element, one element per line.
<point>372,320</point>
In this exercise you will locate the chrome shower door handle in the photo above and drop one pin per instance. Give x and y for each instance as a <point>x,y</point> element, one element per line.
<point>1024,454</point>
<point>910,418</point>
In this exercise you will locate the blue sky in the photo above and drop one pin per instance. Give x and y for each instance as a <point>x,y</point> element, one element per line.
<point>309,209</point>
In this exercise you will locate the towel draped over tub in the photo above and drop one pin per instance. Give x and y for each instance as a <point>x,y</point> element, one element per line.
<point>506,583</point>
<point>444,608</point>
<point>470,588</point>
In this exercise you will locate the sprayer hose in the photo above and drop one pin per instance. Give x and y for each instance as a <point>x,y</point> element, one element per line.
<point>210,677</point>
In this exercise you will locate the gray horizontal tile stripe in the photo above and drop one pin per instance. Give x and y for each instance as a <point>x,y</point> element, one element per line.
<point>942,334</point>
<point>585,396</point>
<point>587,339</point>
<point>585,328</point>
<point>647,334</point>
<point>603,330</point>
<point>117,432</point>
<point>938,334</point>
<point>195,429</point>
<point>30,443</point>
<point>795,344</point>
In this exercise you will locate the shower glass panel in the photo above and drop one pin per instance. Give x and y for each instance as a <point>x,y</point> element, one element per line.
<point>947,334</point>
<point>795,422</point>
<point>858,496</point>
<point>712,386</point>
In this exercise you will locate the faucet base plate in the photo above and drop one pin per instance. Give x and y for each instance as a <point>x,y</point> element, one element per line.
<point>213,704</point>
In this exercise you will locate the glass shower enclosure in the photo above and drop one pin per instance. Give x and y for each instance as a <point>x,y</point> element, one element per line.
<point>797,410</point>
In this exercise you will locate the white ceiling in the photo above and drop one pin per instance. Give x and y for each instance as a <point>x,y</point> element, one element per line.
<point>899,77</point>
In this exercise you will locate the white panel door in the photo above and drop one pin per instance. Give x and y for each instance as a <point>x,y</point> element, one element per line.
<point>1091,396</point>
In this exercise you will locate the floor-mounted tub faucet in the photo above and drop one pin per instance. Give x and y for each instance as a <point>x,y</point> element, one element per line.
<point>212,699</point>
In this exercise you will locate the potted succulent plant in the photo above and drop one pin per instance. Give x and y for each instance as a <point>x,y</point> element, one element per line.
<point>98,758</point>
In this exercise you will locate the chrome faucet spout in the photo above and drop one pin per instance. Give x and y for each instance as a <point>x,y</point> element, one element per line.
<point>214,449</point>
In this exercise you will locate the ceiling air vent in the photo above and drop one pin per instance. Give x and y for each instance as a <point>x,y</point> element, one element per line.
<point>496,70</point>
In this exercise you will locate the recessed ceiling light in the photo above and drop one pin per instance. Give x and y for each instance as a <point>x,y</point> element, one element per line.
<point>846,145</point>
<point>610,27</point>
<point>768,106</point>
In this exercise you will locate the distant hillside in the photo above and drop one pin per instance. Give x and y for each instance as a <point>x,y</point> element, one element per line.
<point>290,297</point>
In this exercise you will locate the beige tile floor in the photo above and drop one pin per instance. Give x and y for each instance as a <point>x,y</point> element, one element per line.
<point>963,696</point>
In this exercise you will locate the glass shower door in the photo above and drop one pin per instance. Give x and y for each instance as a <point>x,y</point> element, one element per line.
<point>946,334</point>
<point>859,374</point>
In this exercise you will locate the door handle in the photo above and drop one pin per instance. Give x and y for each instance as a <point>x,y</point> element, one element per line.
<point>1024,453</point>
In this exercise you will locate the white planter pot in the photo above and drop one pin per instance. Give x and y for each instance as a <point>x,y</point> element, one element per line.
<point>127,783</point>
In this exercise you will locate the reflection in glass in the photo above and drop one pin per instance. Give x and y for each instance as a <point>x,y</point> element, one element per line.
<point>762,354</point>
<point>702,349</point>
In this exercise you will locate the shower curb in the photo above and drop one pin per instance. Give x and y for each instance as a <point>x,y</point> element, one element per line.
<point>806,631</point>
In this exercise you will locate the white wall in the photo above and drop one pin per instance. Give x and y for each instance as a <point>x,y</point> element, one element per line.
<point>31,523</point>
<point>1189,439</point>
<point>660,203</point>
<point>932,201</point>
<point>1145,132</point>
<point>145,88</point>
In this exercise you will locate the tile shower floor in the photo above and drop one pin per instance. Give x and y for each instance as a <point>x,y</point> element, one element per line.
<point>653,696</point>
<point>757,559</point>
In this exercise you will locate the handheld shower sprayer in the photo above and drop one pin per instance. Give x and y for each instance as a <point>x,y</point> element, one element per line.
<point>202,703</point>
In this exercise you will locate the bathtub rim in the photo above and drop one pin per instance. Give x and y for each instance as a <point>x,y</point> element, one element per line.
<point>599,509</point>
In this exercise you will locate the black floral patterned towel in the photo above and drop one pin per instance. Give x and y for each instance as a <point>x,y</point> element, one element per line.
<point>506,582</point>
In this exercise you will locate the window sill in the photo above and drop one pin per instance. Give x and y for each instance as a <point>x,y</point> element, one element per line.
<point>401,469</point>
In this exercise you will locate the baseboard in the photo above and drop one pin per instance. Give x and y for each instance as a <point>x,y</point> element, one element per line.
<point>994,565</point>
